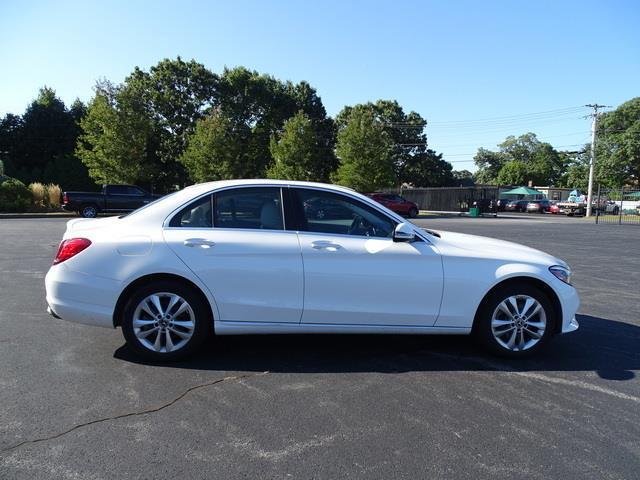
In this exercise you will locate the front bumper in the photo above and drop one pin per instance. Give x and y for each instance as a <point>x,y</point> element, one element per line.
<point>570,302</point>
<point>81,298</point>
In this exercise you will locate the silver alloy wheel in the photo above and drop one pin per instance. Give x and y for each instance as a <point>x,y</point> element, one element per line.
<point>518,322</point>
<point>163,322</point>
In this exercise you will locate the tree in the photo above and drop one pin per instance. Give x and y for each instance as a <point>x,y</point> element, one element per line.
<point>176,94</point>
<point>576,173</point>
<point>297,151</point>
<point>536,161</point>
<point>365,151</point>
<point>262,104</point>
<point>217,150</point>
<point>35,143</point>
<point>413,162</point>
<point>463,178</point>
<point>116,138</point>
<point>618,145</point>
<point>514,172</point>
<point>136,131</point>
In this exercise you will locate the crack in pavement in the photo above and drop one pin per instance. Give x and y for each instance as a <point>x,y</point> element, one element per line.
<point>131,414</point>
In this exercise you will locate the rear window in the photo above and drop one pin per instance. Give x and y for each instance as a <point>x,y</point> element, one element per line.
<point>197,214</point>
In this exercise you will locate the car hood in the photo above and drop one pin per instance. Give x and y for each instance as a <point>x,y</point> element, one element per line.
<point>462,244</point>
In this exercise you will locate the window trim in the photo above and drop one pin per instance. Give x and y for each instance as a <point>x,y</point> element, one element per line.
<point>371,203</point>
<point>299,213</point>
<point>167,222</point>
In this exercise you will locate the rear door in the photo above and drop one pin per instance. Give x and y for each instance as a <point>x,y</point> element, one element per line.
<point>355,274</point>
<point>235,241</point>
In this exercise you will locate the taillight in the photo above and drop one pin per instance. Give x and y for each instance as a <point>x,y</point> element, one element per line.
<point>65,199</point>
<point>70,248</point>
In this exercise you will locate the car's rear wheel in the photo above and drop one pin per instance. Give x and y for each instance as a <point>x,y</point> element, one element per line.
<point>515,321</point>
<point>89,211</point>
<point>165,321</point>
<point>413,212</point>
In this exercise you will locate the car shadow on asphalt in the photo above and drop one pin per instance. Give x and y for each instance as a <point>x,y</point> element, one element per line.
<point>607,347</point>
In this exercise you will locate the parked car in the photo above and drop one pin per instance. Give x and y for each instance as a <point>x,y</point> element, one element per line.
<point>539,206</point>
<point>396,203</point>
<point>112,199</point>
<point>501,204</point>
<point>179,269</point>
<point>319,208</point>
<point>517,206</point>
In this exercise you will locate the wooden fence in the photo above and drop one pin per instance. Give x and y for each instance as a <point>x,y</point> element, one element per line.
<point>450,199</point>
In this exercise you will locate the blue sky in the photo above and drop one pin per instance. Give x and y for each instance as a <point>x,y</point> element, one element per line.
<point>454,62</point>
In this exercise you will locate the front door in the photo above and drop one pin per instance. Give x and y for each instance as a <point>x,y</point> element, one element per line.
<point>355,273</point>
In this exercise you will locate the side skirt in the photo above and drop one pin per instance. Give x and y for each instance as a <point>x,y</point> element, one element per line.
<point>256,328</point>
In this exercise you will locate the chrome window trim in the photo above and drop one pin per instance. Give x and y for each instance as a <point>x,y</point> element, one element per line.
<point>167,220</point>
<point>369,202</point>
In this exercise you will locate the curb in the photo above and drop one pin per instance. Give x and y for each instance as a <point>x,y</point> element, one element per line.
<point>36,215</point>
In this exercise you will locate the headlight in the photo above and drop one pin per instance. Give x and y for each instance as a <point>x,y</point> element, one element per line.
<point>561,273</point>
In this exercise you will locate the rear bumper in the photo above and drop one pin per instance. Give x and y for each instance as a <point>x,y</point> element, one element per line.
<point>81,298</point>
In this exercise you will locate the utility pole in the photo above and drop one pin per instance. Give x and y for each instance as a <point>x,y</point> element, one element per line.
<point>592,160</point>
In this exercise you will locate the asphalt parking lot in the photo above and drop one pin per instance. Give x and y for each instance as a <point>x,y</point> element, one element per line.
<point>76,405</point>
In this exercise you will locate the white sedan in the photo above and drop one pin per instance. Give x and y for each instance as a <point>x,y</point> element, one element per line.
<point>265,256</point>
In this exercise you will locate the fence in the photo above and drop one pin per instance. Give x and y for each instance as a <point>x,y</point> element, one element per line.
<point>617,206</point>
<point>452,199</point>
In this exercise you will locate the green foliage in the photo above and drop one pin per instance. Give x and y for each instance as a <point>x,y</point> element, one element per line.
<point>235,140</point>
<point>136,131</point>
<point>33,143</point>
<point>618,146</point>
<point>216,150</point>
<point>463,178</point>
<point>297,152</point>
<point>365,151</point>
<point>518,161</point>
<point>514,172</point>
<point>413,162</point>
<point>15,196</point>
<point>116,137</point>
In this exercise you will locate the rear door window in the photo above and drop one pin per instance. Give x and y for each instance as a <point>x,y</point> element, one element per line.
<point>250,208</point>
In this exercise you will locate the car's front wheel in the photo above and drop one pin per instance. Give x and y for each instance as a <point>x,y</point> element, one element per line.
<point>413,212</point>
<point>515,321</point>
<point>165,321</point>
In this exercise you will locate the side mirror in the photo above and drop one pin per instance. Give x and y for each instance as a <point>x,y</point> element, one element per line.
<point>404,233</point>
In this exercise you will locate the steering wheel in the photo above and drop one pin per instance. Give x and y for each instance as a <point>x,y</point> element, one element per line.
<point>361,226</point>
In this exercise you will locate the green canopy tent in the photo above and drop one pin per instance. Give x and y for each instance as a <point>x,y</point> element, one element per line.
<point>526,191</point>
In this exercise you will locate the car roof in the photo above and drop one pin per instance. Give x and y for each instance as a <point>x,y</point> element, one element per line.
<point>166,205</point>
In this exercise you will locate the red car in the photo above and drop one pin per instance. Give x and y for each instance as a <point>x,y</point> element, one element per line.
<point>396,203</point>
<point>554,208</point>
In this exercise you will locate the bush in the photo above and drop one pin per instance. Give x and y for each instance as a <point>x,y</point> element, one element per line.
<point>14,196</point>
<point>54,193</point>
<point>38,194</point>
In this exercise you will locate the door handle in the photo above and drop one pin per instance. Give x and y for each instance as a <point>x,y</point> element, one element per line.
<point>325,245</point>
<point>199,242</point>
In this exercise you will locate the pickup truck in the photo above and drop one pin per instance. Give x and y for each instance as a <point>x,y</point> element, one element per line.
<point>112,199</point>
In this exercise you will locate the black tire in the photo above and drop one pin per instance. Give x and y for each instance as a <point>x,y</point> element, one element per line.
<point>89,210</point>
<point>413,212</point>
<point>482,329</point>
<point>203,321</point>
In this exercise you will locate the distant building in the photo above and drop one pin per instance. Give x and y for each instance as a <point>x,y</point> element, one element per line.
<point>555,193</point>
